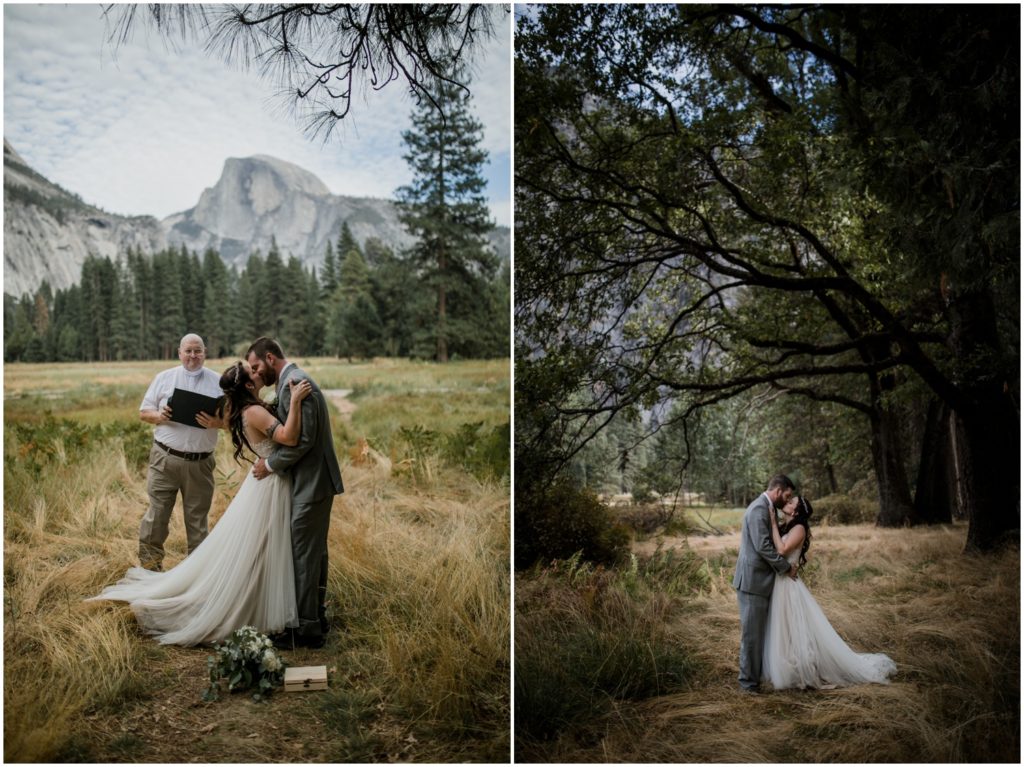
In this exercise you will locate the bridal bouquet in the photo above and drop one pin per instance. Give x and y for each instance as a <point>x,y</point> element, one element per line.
<point>246,659</point>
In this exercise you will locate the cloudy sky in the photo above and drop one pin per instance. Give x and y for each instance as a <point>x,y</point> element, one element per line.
<point>145,127</point>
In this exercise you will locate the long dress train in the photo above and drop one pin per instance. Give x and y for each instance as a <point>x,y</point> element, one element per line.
<point>803,650</point>
<point>240,575</point>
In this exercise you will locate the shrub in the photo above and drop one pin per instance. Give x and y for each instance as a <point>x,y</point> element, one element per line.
<point>842,509</point>
<point>646,518</point>
<point>561,520</point>
<point>583,640</point>
<point>479,449</point>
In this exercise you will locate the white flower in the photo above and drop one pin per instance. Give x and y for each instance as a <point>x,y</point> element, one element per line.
<point>270,661</point>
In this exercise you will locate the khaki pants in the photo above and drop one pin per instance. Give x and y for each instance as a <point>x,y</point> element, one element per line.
<point>169,475</point>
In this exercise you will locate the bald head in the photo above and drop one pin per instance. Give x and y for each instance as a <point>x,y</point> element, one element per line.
<point>192,352</point>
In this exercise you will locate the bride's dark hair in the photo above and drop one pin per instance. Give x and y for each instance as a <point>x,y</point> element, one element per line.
<point>236,399</point>
<point>801,517</point>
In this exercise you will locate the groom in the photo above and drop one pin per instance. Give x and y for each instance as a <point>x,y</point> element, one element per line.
<point>316,479</point>
<point>754,580</point>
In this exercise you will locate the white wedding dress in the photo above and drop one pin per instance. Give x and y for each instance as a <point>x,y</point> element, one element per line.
<point>801,648</point>
<point>240,575</point>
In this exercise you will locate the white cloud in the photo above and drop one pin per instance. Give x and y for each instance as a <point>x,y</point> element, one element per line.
<point>143,129</point>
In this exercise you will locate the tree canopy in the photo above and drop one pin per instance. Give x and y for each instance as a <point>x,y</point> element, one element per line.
<point>823,200</point>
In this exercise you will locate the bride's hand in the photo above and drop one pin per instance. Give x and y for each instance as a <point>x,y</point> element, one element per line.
<point>300,390</point>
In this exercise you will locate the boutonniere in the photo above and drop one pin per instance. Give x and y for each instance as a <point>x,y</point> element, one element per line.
<point>272,399</point>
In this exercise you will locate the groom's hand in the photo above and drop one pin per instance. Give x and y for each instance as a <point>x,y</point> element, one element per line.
<point>793,569</point>
<point>260,469</point>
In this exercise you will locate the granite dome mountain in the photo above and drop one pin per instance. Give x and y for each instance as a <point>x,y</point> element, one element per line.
<point>49,231</point>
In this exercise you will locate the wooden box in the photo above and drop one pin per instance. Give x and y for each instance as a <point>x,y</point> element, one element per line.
<point>303,678</point>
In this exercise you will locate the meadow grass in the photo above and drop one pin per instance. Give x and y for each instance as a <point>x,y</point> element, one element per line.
<point>418,578</point>
<point>950,621</point>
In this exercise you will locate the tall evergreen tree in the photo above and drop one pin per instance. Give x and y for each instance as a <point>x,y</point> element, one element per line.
<point>393,287</point>
<point>346,243</point>
<point>124,316</point>
<point>215,326</point>
<point>272,295</point>
<point>328,274</point>
<point>168,313</point>
<point>444,208</point>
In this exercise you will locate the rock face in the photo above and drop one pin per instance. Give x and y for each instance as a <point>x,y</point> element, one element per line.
<point>48,231</point>
<point>260,198</point>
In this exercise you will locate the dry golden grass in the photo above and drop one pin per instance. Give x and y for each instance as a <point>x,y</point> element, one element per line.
<point>418,591</point>
<point>950,621</point>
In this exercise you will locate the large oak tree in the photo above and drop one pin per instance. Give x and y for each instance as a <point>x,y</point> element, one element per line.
<point>852,172</point>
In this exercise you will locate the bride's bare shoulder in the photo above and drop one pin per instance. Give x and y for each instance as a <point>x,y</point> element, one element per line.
<point>258,419</point>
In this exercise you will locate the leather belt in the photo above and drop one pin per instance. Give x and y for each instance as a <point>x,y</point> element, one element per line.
<point>179,454</point>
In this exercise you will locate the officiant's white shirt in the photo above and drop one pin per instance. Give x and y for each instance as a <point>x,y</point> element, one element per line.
<point>178,436</point>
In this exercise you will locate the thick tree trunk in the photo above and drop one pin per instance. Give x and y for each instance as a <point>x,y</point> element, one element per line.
<point>988,428</point>
<point>936,496</point>
<point>830,471</point>
<point>894,503</point>
<point>989,442</point>
<point>895,506</point>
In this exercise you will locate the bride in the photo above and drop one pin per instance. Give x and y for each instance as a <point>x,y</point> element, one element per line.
<point>801,648</point>
<point>241,575</point>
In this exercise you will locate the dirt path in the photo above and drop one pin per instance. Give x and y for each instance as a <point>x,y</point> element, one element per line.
<point>339,398</point>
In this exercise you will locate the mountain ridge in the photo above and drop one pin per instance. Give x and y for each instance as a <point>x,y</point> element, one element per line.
<point>49,231</point>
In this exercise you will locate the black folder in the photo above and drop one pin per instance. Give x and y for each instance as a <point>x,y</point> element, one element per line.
<point>185,405</point>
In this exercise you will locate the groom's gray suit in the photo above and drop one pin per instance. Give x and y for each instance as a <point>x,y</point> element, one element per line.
<point>316,479</point>
<point>754,580</point>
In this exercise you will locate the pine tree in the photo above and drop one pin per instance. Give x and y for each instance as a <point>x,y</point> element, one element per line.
<point>272,295</point>
<point>293,312</point>
<point>248,296</point>
<point>168,301</point>
<point>216,324</point>
<point>353,326</point>
<point>393,287</point>
<point>444,208</point>
<point>328,274</point>
<point>346,242</point>
<point>123,316</point>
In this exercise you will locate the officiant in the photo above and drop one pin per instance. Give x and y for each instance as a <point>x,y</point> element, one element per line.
<point>181,459</point>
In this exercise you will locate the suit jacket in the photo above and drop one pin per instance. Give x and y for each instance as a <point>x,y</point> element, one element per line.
<point>759,560</point>
<point>312,462</point>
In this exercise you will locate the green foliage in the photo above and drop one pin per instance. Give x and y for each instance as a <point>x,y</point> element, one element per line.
<point>842,509</point>
<point>587,636</point>
<point>445,209</point>
<point>37,444</point>
<point>820,203</point>
<point>139,306</point>
<point>561,520</point>
<point>247,660</point>
<point>479,449</point>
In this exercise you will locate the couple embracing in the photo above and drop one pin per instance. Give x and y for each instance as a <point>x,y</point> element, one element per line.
<point>785,637</point>
<point>265,562</point>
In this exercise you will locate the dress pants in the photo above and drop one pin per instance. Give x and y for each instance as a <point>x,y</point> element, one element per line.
<point>753,624</point>
<point>310,522</point>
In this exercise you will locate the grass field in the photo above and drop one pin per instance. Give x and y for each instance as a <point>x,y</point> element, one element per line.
<point>639,663</point>
<point>418,656</point>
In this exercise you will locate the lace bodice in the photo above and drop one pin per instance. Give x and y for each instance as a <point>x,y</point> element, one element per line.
<point>264,447</point>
